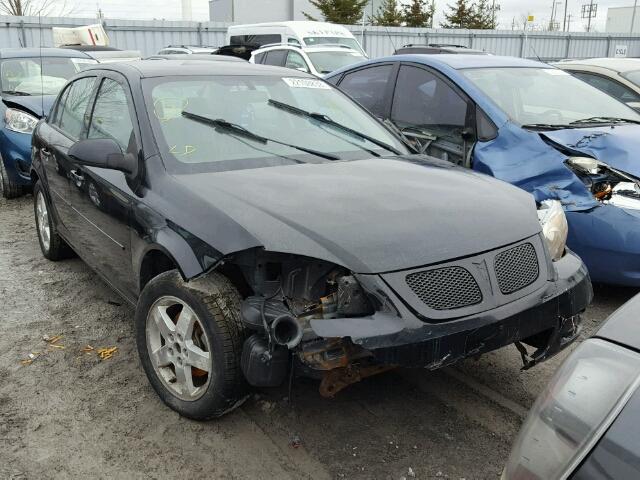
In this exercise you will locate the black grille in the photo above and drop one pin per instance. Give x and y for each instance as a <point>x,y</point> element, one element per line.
<point>445,288</point>
<point>516,268</point>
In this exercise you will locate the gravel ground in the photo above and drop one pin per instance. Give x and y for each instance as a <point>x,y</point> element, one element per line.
<point>70,414</point>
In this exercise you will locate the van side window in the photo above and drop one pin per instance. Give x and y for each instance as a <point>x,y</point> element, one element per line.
<point>255,39</point>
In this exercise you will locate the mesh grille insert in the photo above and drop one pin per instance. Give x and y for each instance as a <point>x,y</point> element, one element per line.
<point>516,268</point>
<point>445,288</point>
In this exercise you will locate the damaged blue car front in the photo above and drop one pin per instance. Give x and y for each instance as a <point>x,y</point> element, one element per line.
<point>526,123</point>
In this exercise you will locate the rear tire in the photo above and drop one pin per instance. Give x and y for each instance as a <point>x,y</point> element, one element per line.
<point>53,247</point>
<point>170,349</point>
<point>9,188</point>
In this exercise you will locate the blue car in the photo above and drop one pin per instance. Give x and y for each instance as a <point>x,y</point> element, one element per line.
<point>526,123</point>
<point>30,79</point>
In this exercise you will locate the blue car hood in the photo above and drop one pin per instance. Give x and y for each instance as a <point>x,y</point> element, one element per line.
<point>37,105</point>
<point>616,146</point>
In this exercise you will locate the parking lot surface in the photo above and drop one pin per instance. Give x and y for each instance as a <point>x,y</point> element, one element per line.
<point>67,413</point>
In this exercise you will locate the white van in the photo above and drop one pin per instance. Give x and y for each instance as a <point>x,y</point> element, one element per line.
<point>301,33</point>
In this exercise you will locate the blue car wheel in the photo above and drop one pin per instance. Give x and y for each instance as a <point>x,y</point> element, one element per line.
<point>8,188</point>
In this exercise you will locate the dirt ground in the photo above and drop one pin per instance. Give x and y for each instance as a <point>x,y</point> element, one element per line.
<point>70,414</point>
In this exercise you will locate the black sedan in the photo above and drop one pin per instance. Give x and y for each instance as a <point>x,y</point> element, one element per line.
<point>584,425</point>
<point>265,224</point>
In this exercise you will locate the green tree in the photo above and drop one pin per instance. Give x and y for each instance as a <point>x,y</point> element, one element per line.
<point>388,14</point>
<point>460,15</point>
<point>418,13</point>
<point>347,12</point>
<point>483,15</point>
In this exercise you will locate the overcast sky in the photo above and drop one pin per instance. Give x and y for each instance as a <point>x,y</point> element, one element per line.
<point>510,9</point>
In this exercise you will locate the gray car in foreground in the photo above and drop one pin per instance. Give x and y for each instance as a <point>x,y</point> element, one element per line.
<point>585,423</point>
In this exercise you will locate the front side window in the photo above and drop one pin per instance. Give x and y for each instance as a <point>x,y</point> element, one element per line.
<point>607,85</point>
<point>327,62</point>
<point>422,99</point>
<point>368,87</point>
<point>275,57</point>
<point>545,96</point>
<point>254,122</point>
<point>39,76</point>
<point>71,112</point>
<point>295,61</point>
<point>111,117</point>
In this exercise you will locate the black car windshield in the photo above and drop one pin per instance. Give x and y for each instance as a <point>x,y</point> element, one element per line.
<point>546,96</point>
<point>39,76</point>
<point>328,61</point>
<point>216,123</point>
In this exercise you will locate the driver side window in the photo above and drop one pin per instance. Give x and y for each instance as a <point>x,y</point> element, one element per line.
<point>111,117</point>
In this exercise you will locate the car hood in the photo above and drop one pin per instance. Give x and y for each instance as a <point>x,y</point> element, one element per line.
<point>616,146</point>
<point>37,105</point>
<point>371,216</point>
<point>622,326</point>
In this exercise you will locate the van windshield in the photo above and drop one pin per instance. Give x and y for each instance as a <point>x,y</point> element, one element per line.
<point>350,42</point>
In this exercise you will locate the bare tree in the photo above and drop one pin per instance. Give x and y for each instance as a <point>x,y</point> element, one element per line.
<point>37,7</point>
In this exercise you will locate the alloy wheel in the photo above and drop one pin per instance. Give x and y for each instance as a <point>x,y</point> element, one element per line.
<point>178,348</point>
<point>42,220</point>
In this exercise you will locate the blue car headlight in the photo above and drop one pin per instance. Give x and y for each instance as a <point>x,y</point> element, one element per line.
<point>19,121</point>
<point>607,184</point>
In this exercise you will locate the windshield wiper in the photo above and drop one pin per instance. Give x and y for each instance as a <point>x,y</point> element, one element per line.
<point>232,128</point>
<point>322,118</point>
<point>16,93</point>
<point>546,126</point>
<point>603,120</point>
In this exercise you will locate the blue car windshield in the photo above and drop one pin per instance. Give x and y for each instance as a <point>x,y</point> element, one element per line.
<point>39,76</point>
<point>546,96</point>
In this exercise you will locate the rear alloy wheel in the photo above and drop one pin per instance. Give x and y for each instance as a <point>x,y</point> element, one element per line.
<point>189,337</point>
<point>52,246</point>
<point>8,188</point>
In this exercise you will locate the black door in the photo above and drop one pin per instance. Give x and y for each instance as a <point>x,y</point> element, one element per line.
<point>66,125</point>
<point>101,198</point>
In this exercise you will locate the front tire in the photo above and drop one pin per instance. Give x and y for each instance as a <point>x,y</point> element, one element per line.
<point>52,245</point>
<point>8,188</point>
<point>189,337</point>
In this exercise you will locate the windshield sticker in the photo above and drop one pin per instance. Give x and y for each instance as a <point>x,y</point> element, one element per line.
<point>555,71</point>
<point>306,83</point>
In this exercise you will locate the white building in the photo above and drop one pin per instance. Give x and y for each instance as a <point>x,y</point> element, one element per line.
<point>256,11</point>
<point>619,20</point>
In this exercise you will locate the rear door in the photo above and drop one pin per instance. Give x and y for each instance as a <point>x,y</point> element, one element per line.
<point>101,198</point>
<point>66,125</point>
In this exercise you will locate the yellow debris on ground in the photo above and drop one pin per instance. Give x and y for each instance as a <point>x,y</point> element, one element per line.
<point>107,352</point>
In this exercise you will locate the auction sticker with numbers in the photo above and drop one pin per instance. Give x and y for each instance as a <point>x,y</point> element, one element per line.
<point>306,83</point>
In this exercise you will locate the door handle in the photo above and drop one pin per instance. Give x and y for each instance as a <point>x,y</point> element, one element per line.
<point>78,178</point>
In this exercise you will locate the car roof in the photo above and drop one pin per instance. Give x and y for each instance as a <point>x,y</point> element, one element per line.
<point>460,61</point>
<point>615,64</point>
<point>622,325</point>
<point>44,52</point>
<point>309,48</point>
<point>408,49</point>
<point>167,68</point>
<point>196,58</point>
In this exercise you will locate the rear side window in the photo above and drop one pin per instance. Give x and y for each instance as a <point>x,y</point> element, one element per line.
<point>255,39</point>
<point>613,88</point>
<point>275,57</point>
<point>71,112</point>
<point>111,117</point>
<point>368,86</point>
<point>422,99</point>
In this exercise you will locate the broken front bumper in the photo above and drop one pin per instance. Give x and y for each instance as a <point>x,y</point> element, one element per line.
<point>547,319</point>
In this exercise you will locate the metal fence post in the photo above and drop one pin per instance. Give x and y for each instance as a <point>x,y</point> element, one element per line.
<point>471,37</point>
<point>523,38</point>
<point>608,45</point>
<point>566,53</point>
<point>199,33</point>
<point>23,34</point>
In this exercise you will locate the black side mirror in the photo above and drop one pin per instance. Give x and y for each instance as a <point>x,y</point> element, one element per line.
<point>103,153</point>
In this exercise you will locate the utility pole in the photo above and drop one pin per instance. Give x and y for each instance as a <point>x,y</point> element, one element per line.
<point>633,15</point>
<point>564,20</point>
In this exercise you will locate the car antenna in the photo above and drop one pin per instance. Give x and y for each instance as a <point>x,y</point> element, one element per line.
<point>41,63</point>
<point>391,38</point>
<point>534,51</point>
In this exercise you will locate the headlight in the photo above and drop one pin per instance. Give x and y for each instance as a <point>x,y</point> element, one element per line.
<point>554,227</point>
<point>19,121</point>
<point>607,184</point>
<point>580,402</point>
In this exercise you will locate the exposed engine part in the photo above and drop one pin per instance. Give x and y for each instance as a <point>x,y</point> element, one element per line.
<point>352,300</point>
<point>253,307</point>
<point>625,195</point>
<point>338,379</point>
<point>327,354</point>
<point>261,366</point>
<point>286,331</point>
